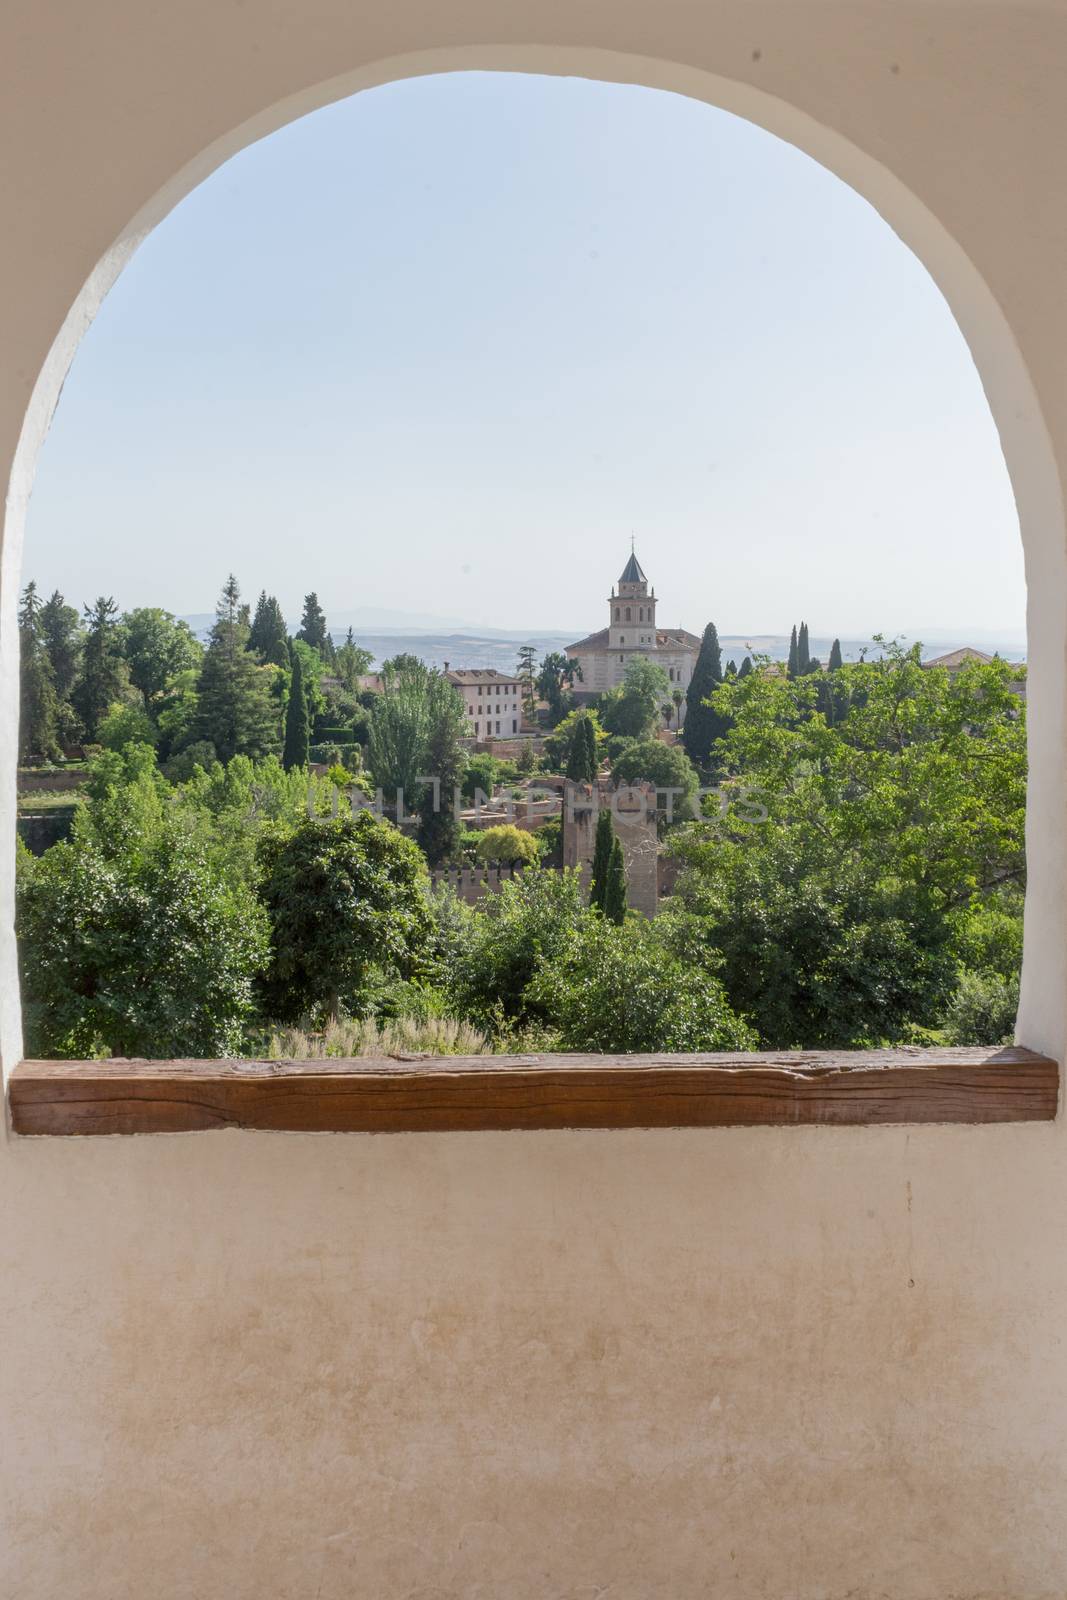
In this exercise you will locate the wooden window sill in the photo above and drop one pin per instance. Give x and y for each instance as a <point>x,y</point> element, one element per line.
<point>440,1094</point>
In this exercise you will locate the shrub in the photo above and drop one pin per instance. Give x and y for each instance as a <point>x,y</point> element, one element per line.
<point>508,844</point>
<point>621,989</point>
<point>983,1009</point>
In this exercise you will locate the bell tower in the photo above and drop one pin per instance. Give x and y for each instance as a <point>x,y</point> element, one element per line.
<point>632,610</point>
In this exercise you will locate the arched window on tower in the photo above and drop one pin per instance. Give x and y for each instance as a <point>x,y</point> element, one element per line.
<point>627,613</point>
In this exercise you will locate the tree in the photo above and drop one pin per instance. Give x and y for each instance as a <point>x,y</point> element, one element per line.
<point>353,662</point>
<point>515,931</point>
<point>313,623</point>
<point>615,888</point>
<point>526,761</point>
<point>665,766</point>
<point>157,649</point>
<point>745,668</point>
<point>703,724</point>
<point>346,899</point>
<point>803,652</point>
<point>557,674</point>
<point>633,709</point>
<point>295,751</point>
<point>235,711</point>
<point>132,940</point>
<point>508,844</point>
<point>582,759</point>
<point>527,675</point>
<point>793,661</point>
<point>38,704</point>
<point>268,637</point>
<point>103,676</point>
<point>560,743</point>
<point>835,656</point>
<point>61,633</point>
<point>602,847</point>
<point>623,989</point>
<point>444,760</point>
<point>842,904</point>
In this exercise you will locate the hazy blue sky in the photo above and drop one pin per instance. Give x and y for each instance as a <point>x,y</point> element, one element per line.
<point>439,348</point>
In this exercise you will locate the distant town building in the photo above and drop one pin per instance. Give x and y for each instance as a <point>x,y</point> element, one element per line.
<point>492,701</point>
<point>632,630</point>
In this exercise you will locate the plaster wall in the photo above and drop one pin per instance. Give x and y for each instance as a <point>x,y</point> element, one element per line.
<point>765,1363</point>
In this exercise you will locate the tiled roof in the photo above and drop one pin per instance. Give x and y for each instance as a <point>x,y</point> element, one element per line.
<point>959,658</point>
<point>592,641</point>
<point>465,675</point>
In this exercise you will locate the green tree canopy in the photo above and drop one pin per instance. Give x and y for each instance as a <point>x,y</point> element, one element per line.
<point>346,899</point>
<point>508,843</point>
<point>313,629</point>
<point>841,914</point>
<point>158,649</point>
<point>38,702</point>
<point>103,677</point>
<point>633,709</point>
<point>664,766</point>
<point>268,637</point>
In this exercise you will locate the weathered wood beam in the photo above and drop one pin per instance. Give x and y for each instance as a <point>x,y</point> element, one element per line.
<point>441,1094</point>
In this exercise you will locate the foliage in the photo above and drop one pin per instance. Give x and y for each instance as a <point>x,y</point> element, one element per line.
<point>344,897</point>
<point>352,663</point>
<point>235,711</point>
<point>481,773</point>
<point>374,1036</point>
<point>633,709</point>
<point>157,649</point>
<point>313,628</point>
<point>268,636</point>
<point>132,941</point>
<point>557,674</point>
<point>444,762</point>
<point>623,989</point>
<point>666,767</point>
<point>507,941</point>
<point>602,847</point>
<point>574,726</point>
<point>615,886</point>
<point>103,674</point>
<point>982,1010</point>
<point>125,725</point>
<point>38,703</point>
<point>842,915</point>
<point>703,724</point>
<point>508,843</point>
<point>582,756</point>
<point>295,750</point>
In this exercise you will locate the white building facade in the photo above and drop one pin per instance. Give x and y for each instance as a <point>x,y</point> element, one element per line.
<point>632,630</point>
<point>492,701</point>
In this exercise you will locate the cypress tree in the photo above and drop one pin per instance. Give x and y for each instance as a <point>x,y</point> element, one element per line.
<point>576,770</point>
<point>803,653</point>
<point>296,751</point>
<point>615,890</point>
<point>605,839</point>
<point>745,668</point>
<point>793,663</point>
<point>835,656</point>
<point>445,759</point>
<point>590,749</point>
<point>703,725</point>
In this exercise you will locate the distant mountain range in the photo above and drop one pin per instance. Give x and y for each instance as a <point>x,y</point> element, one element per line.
<point>437,641</point>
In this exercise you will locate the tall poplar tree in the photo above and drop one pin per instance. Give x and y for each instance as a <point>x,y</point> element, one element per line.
<point>703,725</point>
<point>296,751</point>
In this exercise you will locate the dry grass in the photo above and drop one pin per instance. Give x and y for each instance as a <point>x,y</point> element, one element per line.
<point>399,1036</point>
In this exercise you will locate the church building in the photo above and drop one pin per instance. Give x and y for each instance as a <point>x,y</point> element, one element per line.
<point>632,631</point>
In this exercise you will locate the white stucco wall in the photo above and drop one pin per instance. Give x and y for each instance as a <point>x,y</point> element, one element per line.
<point>766,1363</point>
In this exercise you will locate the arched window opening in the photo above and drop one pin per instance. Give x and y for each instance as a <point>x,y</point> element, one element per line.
<point>152,694</point>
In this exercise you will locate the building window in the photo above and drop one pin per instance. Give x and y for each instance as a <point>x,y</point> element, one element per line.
<point>627,613</point>
<point>514,725</point>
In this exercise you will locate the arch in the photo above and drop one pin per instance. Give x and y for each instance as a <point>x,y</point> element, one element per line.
<point>1011,393</point>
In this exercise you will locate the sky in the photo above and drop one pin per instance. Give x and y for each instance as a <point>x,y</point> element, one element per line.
<point>438,350</point>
